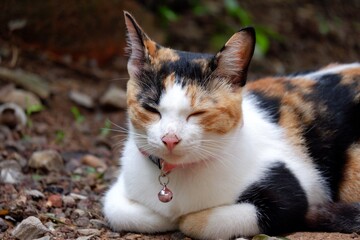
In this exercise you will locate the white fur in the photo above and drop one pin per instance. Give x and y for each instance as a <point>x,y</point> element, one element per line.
<point>331,70</point>
<point>228,221</point>
<point>222,167</point>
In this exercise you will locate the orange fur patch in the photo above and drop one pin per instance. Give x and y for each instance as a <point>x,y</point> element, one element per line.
<point>350,186</point>
<point>163,55</point>
<point>169,81</point>
<point>222,108</point>
<point>194,224</point>
<point>139,117</point>
<point>294,109</point>
<point>151,47</point>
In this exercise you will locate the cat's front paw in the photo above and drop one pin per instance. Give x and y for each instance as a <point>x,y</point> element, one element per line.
<point>195,224</point>
<point>223,222</point>
<point>124,214</point>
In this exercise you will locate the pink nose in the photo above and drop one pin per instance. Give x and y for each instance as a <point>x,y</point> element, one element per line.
<point>170,140</point>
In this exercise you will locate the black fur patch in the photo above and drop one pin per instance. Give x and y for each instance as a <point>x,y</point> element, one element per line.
<point>335,217</point>
<point>279,199</point>
<point>335,129</point>
<point>150,85</point>
<point>150,80</point>
<point>271,105</point>
<point>186,70</point>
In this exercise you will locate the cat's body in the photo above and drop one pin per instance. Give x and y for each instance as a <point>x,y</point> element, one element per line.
<point>268,157</point>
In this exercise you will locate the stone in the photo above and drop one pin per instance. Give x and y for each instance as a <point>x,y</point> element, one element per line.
<point>44,238</point>
<point>54,200</point>
<point>82,221</point>
<point>77,196</point>
<point>93,161</point>
<point>21,97</point>
<point>10,172</point>
<point>98,224</point>
<point>26,80</point>
<point>34,193</point>
<point>29,229</point>
<point>114,97</point>
<point>78,213</point>
<point>3,225</point>
<point>85,237</point>
<point>89,231</point>
<point>12,115</point>
<point>68,201</point>
<point>81,99</point>
<point>47,159</point>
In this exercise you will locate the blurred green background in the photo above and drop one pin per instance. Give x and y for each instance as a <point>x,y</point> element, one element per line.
<point>291,35</point>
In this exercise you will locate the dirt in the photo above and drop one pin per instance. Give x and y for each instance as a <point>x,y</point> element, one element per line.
<point>312,35</point>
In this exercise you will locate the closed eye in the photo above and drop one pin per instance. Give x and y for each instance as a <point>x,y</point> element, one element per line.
<point>151,109</point>
<point>196,114</point>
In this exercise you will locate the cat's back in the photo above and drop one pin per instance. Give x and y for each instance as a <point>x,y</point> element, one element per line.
<point>327,89</point>
<point>320,113</point>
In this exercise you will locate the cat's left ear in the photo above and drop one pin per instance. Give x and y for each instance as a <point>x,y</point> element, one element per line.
<point>140,47</point>
<point>232,61</point>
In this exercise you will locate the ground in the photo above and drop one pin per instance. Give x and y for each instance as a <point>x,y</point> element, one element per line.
<point>69,197</point>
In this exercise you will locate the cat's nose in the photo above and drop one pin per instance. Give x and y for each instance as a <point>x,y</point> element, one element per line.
<point>170,140</point>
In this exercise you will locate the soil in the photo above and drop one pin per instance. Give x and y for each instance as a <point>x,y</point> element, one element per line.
<point>312,35</point>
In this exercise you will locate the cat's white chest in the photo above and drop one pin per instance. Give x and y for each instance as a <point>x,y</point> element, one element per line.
<point>194,187</point>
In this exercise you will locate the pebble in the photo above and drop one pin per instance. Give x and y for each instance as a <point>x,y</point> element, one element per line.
<point>89,231</point>
<point>12,115</point>
<point>35,193</point>
<point>132,236</point>
<point>78,213</point>
<point>21,97</point>
<point>81,99</point>
<point>43,238</point>
<point>113,235</point>
<point>114,97</point>
<point>93,161</point>
<point>29,229</point>
<point>47,159</point>
<point>82,221</point>
<point>84,237</point>
<point>50,225</point>
<point>77,196</point>
<point>3,225</point>
<point>68,201</point>
<point>98,224</point>
<point>10,172</point>
<point>54,200</point>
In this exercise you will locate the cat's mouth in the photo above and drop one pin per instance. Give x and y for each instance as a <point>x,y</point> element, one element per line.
<point>170,160</point>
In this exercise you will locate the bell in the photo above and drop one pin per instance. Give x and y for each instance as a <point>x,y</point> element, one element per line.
<point>165,195</point>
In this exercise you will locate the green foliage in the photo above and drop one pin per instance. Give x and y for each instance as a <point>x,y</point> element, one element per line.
<point>59,136</point>
<point>106,129</point>
<point>167,14</point>
<point>31,109</point>
<point>34,109</point>
<point>266,237</point>
<point>224,26</point>
<point>263,34</point>
<point>79,118</point>
<point>37,177</point>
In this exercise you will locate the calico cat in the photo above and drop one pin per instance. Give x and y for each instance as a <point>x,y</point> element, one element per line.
<point>217,158</point>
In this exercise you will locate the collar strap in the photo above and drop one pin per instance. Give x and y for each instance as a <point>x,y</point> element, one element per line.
<point>160,163</point>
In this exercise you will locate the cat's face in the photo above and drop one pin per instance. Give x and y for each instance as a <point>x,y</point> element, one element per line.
<point>182,105</point>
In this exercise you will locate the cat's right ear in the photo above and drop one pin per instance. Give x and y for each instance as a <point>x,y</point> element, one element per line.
<point>140,47</point>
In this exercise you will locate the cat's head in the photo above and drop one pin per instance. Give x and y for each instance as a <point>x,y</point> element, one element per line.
<point>181,104</point>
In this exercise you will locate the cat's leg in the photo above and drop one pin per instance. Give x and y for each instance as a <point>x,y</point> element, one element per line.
<point>222,222</point>
<point>275,204</point>
<point>124,214</point>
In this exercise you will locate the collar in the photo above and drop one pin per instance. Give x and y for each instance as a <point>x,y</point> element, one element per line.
<point>160,163</point>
